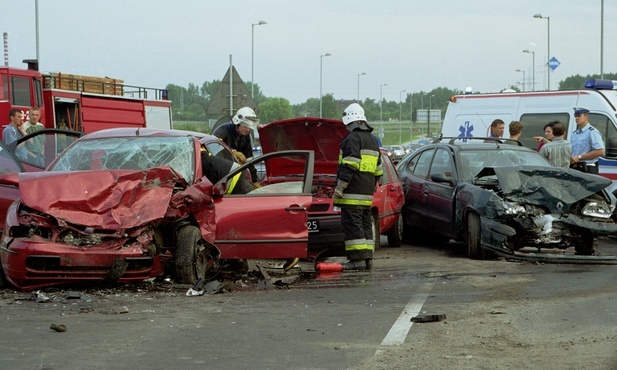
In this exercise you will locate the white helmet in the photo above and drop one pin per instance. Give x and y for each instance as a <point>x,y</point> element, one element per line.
<point>353,113</point>
<point>245,116</point>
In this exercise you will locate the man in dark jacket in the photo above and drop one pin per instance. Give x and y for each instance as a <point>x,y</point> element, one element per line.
<point>215,168</point>
<point>236,134</point>
<point>358,172</point>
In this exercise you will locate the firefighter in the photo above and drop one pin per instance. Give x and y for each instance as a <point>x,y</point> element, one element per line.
<point>358,172</point>
<point>236,134</point>
<point>215,168</point>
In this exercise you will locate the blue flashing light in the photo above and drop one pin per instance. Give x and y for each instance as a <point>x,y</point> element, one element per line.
<point>601,84</point>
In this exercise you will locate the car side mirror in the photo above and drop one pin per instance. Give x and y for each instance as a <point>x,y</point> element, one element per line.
<point>219,189</point>
<point>441,177</point>
<point>9,178</point>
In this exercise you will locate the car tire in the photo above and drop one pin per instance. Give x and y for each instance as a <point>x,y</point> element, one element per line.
<point>3,282</point>
<point>474,230</point>
<point>376,231</point>
<point>395,235</point>
<point>408,231</point>
<point>588,246</point>
<point>191,257</point>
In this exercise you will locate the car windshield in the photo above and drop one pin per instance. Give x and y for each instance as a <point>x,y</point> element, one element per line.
<point>130,153</point>
<point>473,161</point>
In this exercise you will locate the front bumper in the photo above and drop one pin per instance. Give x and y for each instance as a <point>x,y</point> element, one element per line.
<point>32,264</point>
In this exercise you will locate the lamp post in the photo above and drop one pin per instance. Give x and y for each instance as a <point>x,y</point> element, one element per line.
<point>533,68</point>
<point>430,105</point>
<point>320,79</point>
<point>520,70</point>
<point>359,74</point>
<point>400,116</point>
<point>602,39</point>
<point>381,103</point>
<point>253,55</point>
<point>548,66</point>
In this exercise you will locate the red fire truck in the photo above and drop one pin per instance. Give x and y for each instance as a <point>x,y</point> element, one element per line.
<point>81,103</point>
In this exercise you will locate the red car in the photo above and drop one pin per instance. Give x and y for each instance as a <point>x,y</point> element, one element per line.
<point>323,136</point>
<point>124,204</point>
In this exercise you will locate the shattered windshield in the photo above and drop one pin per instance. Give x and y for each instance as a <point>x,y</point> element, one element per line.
<point>473,161</point>
<point>130,153</point>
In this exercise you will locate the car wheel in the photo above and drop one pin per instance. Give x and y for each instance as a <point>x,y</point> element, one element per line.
<point>3,282</point>
<point>191,258</point>
<point>376,231</point>
<point>474,250</point>
<point>588,246</point>
<point>395,235</point>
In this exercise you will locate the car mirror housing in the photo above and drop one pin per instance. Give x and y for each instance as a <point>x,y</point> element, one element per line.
<point>9,178</point>
<point>219,189</point>
<point>441,177</point>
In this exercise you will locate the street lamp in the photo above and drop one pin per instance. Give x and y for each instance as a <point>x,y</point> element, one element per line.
<point>520,70</point>
<point>253,55</point>
<point>320,79</point>
<point>380,103</point>
<point>430,105</point>
<point>359,74</point>
<point>533,68</point>
<point>400,116</point>
<point>548,66</point>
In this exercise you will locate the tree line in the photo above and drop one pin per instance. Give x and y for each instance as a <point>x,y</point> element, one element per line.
<point>190,103</point>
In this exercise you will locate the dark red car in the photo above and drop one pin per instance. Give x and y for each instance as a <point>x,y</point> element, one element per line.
<point>323,136</point>
<point>124,204</point>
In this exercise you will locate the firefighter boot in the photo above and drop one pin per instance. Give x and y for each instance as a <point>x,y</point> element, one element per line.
<point>354,265</point>
<point>369,263</point>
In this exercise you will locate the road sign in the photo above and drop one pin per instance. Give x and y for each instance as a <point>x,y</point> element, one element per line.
<point>553,63</point>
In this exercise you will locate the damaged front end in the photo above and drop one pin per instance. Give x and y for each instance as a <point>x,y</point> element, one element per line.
<point>546,213</point>
<point>93,226</point>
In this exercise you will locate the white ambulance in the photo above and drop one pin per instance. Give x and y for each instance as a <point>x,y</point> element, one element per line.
<point>471,115</point>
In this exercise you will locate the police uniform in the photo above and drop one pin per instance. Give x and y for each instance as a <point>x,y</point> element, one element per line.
<point>584,140</point>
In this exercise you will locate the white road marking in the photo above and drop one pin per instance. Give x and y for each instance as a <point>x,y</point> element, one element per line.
<point>398,332</point>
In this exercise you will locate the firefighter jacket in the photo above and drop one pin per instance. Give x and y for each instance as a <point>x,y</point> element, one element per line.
<point>359,169</point>
<point>242,143</point>
<point>215,168</point>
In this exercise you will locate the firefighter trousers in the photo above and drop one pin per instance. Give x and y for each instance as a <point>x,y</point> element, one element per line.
<point>358,232</point>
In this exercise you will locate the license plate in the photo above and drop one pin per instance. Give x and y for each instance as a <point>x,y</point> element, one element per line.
<point>313,226</point>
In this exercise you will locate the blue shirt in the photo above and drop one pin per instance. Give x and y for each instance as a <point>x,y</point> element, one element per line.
<point>585,140</point>
<point>11,134</point>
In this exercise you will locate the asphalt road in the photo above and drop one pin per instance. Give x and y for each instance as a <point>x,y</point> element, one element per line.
<point>498,315</point>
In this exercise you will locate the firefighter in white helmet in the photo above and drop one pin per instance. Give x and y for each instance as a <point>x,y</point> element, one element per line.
<point>358,172</point>
<point>236,134</point>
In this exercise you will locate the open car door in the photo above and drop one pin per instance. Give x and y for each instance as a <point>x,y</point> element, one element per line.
<point>44,146</point>
<point>267,222</point>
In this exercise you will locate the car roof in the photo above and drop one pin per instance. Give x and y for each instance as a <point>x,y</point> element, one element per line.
<point>141,131</point>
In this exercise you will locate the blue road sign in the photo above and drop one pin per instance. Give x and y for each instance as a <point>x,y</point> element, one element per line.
<point>553,63</point>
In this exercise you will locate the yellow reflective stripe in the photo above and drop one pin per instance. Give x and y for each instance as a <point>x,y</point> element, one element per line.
<point>233,183</point>
<point>368,163</point>
<point>351,162</point>
<point>353,202</point>
<point>358,245</point>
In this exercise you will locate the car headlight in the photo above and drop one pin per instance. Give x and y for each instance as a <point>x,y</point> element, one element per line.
<point>595,209</point>
<point>513,208</point>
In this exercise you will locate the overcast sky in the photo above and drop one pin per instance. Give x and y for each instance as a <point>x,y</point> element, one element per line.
<point>412,45</point>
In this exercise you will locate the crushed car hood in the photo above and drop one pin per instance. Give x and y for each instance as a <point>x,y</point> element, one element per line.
<point>107,199</point>
<point>321,135</point>
<point>556,188</point>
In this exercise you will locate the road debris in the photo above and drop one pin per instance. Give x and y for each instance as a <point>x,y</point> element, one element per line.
<point>59,328</point>
<point>428,318</point>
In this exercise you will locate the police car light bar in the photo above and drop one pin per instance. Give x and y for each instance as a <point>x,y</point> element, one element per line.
<point>601,84</point>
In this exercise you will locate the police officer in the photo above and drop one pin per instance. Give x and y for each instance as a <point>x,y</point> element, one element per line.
<point>236,134</point>
<point>587,144</point>
<point>358,171</point>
